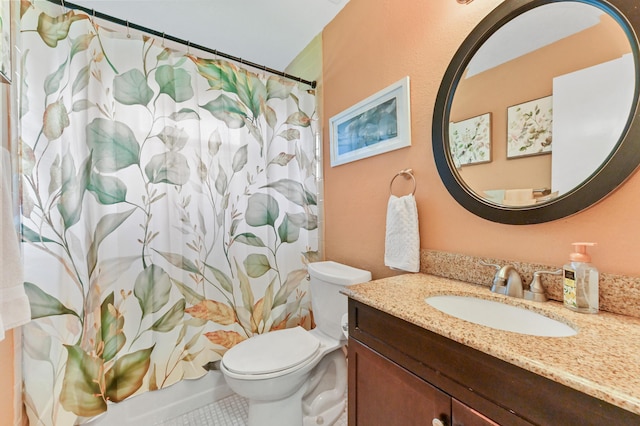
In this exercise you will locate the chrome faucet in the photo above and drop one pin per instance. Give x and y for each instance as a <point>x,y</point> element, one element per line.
<point>506,281</point>
<point>509,279</point>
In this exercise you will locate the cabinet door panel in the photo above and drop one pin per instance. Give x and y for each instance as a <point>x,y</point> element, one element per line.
<point>464,415</point>
<point>383,393</point>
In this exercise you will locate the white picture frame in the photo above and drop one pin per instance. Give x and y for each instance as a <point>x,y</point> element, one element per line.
<point>378,124</point>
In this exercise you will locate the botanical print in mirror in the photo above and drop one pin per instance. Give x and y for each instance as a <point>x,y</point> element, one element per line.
<point>470,140</point>
<point>529,128</point>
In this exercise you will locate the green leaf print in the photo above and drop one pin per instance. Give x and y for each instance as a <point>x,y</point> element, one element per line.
<point>32,236</point>
<point>304,220</point>
<point>278,88</point>
<point>251,91</point>
<point>184,114</point>
<point>179,261</point>
<point>170,167</point>
<point>249,239</point>
<point>299,119</point>
<point>221,183</point>
<point>293,191</point>
<point>53,29</point>
<point>131,88</point>
<point>170,319</point>
<point>52,82</point>
<point>81,43</point>
<point>107,189</point>
<point>240,158</point>
<point>56,119</point>
<point>174,138</point>
<point>44,305</point>
<point>114,145</point>
<point>262,209</point>
<point>175,82</point>
<point>127,374</point>
<point>222,278</point>
<point>282,159</point>
<point>290,134</point>
<point>106,225</point>
<point>288,231</point>
<point>257,265</point>
<point>245,288</point>
<point>73,189</point>
<point>292,282</point>
<point>81,393</point>
<point>152,289</point>
<point>111,328</point>
<point>228,110</point>
<point>219,74</point>
<point>82,80</point>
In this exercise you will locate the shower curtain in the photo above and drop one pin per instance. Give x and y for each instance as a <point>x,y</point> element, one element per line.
<point>169,211</point>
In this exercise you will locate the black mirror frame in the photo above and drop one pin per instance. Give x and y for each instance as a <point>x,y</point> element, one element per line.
<point>617,168</point>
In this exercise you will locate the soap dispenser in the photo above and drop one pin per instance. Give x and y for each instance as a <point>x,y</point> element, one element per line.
<point>580,281</point>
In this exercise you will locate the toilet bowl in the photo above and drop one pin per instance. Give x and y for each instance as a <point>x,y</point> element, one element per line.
<point>296,377</point>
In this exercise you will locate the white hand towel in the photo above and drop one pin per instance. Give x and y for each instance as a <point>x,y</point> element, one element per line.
<point>14,304</point>
<point>402,242</point>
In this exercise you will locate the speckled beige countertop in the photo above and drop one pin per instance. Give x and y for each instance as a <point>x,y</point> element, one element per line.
<point>602,360</point>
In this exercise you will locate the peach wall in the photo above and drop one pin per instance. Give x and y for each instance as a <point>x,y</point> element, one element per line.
<point>370,45</point>
<point>7,379</point>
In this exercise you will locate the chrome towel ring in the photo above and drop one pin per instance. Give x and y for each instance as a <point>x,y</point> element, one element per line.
<point>407,174</point>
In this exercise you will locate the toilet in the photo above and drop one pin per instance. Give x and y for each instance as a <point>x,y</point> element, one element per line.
<point>296,377</point>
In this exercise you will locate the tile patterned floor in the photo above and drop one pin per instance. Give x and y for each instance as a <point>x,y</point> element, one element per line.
<point>230,411</point>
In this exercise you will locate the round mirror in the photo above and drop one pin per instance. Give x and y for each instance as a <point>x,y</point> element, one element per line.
<point>536,116</point>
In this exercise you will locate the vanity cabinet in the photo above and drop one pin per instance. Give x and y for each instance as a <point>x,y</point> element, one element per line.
<point>402,374</point>
<point>383,393</point>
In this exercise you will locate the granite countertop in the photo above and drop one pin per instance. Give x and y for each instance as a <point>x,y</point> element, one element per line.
<point>601,360</point>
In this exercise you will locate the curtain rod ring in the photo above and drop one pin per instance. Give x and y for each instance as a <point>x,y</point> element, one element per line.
<point>128,31</point>
<point>163,39</point>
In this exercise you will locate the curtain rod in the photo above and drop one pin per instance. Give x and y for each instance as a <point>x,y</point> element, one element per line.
<point>94,13</point>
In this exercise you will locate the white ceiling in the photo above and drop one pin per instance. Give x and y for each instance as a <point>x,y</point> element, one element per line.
<point>266,32</point>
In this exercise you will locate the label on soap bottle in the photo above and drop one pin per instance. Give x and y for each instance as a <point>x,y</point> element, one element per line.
<point>569,288</point>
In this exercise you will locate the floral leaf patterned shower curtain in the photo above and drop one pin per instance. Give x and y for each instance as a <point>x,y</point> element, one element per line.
<point>169,211</point>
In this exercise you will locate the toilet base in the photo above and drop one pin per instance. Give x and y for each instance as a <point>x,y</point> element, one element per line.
<point>286,411</point>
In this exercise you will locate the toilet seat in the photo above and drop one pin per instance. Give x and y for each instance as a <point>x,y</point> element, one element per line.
<point>272,352</point>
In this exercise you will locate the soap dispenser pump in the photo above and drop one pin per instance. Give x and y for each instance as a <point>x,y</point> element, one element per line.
<point>580,281</point>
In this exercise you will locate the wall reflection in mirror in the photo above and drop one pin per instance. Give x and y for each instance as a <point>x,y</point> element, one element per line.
<point>542,104</point>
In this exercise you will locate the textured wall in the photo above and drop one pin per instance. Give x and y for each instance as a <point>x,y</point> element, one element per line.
<point>373,44</point>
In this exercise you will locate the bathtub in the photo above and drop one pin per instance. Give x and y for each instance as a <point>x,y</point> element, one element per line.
<point>173,401</point>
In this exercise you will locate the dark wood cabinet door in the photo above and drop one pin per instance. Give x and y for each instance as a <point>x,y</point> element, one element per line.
<point>464,415</point>
<point>385,394</point>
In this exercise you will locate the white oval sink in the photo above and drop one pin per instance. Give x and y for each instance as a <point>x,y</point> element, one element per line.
<point>500,316</point>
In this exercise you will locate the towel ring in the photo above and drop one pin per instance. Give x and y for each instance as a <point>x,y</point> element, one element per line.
<point>408,174</point>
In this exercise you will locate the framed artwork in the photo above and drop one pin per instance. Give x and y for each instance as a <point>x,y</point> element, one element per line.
<point>470,140</point>
<point>5,41</point>
<point>378,124</point>
<point>529,127</point>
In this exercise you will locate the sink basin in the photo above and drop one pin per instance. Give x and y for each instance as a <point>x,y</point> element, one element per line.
<point>500,316</point>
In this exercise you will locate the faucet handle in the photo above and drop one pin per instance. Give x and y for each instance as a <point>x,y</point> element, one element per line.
<point>483,263</point>
<point>536,290</point>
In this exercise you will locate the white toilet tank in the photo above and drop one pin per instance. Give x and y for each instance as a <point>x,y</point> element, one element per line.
<point>327,279</point>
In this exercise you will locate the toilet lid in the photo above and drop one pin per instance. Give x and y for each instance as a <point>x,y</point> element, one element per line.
<point>271,352</point>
